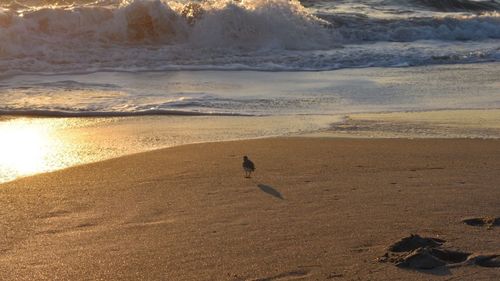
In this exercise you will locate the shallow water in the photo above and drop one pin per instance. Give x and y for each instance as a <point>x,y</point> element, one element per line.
<point>252,93</point>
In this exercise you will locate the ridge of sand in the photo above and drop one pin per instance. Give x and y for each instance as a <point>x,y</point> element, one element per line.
<point>315,209</point>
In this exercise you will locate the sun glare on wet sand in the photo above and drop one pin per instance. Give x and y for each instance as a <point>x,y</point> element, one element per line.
<point>24,149</point>
<point>30,146</point>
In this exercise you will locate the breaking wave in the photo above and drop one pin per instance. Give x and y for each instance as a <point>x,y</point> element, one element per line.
<point>135,35</point>
<point>460,5</point>
<point>354,28</point>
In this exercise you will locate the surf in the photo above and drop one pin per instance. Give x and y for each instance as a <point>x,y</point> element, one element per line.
<point>265,35</point>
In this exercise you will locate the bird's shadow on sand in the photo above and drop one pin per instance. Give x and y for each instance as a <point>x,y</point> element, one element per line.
<point>270,190</point>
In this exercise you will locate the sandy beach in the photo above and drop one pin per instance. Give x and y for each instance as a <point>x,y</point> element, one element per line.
<point>374,127</point>
<point>316,209</point>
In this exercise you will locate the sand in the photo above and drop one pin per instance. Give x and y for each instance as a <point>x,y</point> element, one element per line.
<point>464,123</point>
<point>50,144</point>
<point>316,209</point>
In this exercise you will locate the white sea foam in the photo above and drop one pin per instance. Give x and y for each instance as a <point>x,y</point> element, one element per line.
<point>144,35</point>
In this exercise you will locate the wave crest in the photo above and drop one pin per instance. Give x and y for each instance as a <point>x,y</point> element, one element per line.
<point>460,5</point>
<point>246,34</point>
<point>155,22</point>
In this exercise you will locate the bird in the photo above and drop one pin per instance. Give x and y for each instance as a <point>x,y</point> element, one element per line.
<point>248,166</point>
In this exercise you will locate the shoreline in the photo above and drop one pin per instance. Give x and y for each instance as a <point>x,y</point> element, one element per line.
<point>315,206</point>
<point>73,141</point>
<point>312,137</point>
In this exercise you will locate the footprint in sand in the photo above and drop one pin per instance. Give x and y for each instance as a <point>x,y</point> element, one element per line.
<point>65,222</point>
<point>142,224</point>
<point>291,275</point>
<point>54,214</point>
<point>489,222</point>
<point>416,252</point>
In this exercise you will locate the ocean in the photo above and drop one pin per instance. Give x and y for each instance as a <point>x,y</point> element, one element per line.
<point>116,57</point>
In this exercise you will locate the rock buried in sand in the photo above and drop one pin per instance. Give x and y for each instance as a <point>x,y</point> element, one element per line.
<point>450,256</point>
<point>420,258</point>
<point>486,260</point>
<point>414,242</point>
<point>420,253</point>
<point>429,258</point>
<point>486,221</point>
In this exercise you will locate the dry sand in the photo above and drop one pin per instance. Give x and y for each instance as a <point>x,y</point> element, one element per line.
<point>316,209</point>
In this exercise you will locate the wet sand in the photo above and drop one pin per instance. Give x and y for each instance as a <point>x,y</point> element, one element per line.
<point>316,209</point>
<point>465,123</point>
<point>50,144</point>
<point>31,146</point>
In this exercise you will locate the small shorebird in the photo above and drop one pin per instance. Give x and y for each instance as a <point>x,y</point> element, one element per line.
<point>248,166</point>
